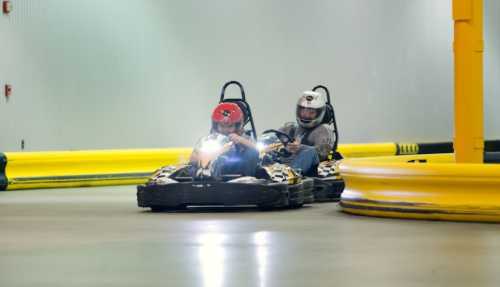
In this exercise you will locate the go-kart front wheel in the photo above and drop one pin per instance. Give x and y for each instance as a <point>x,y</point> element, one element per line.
<point>166,209</point>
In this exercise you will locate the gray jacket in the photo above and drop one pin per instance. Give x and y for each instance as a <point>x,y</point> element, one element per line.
<point>321,137</point>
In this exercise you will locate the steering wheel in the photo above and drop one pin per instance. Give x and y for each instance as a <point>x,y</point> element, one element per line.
<point>284,138</point>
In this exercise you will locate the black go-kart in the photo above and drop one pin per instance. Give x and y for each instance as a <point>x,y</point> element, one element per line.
<point>178,187</point>
<point>328,185</point>
<point>324,184</point>
<point>325,179</point>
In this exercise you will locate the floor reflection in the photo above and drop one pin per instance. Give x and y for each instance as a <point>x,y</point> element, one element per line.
<point>261,242</point>
<point>214,249</point>
<point>212,255</point>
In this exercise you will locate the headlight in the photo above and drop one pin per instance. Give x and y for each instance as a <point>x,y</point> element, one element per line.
<point>260,146</point>
<point>210,146</point>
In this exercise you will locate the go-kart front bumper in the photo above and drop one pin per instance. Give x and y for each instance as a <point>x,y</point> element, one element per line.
<point>182,194</point>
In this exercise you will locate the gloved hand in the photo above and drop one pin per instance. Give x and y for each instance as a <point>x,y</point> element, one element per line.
<point>237,139</point>
<point>293,147</point>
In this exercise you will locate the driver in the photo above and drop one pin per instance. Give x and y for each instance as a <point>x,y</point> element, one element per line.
<point>242,159</point>
<point>313,139</point>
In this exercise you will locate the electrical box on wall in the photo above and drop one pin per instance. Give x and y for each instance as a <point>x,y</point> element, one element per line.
<point>6,7</point>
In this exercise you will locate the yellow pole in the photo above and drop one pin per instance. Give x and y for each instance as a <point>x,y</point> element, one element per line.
<point>468,48</point>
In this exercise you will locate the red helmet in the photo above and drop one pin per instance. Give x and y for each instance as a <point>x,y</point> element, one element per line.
<point>228,113</point>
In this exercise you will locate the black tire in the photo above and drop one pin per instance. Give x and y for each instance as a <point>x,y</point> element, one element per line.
<point>296,196</point>
<point>296,205</point>
<point>327,190</point>
<point>166,208</point>
<point>266,207</point>
<point>158,209</point>
<point>308,185</point>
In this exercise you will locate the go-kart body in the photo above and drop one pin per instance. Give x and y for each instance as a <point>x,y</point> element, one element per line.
<point>199,184</point>
<point>275,186</point>
<point>327,185</point>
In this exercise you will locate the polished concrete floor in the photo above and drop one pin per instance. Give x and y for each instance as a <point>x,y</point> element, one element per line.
<point>99,237</point>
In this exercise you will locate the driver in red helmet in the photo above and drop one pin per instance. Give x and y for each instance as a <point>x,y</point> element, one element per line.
<point>228,120</point>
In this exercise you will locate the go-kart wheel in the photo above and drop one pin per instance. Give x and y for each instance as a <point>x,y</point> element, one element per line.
<point>167,208</point>
<point>158,209</point>
<point>327,190</point>
<point>296,195</point>
<point>296,205</point>
<point>308,186</point>
<point>265,207</point>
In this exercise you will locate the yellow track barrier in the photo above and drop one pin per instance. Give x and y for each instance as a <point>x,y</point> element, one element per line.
<point>365,150</point>
<point>28,170</point>
<point>421,187</point>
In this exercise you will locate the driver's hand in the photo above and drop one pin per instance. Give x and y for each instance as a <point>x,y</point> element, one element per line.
<point>293,147</point>
<point>237,139</point>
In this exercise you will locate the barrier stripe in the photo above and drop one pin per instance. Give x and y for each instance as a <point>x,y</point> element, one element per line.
<point>3,177</point>
<point>439,147</point>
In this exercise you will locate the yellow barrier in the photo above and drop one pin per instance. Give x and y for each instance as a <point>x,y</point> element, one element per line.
<point>421,187</point>
<point>87,168</point>
<point>365,150</point>
<point>26,170</point>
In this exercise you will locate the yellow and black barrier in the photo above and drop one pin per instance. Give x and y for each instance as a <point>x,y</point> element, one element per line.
<point>27,170</point>
<point>3,178</point>
<point>391,148</point>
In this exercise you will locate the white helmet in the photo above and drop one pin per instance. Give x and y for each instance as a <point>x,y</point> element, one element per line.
<point>312,101</point>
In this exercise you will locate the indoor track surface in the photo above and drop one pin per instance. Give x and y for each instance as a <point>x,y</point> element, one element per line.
<point>99,237</point>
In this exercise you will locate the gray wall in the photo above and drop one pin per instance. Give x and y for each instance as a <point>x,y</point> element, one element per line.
<point>129,74</point>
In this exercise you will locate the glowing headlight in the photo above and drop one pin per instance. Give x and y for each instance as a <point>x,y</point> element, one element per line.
<point>260,146</point>
<point>210,146</point>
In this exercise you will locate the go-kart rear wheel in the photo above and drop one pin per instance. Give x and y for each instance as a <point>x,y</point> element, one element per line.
<point>296,205</point>
<point>326,190</point>
<point>308,187</point>
<point>296,195</point>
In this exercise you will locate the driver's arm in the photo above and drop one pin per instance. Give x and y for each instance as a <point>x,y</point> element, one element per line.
<point>323,141</point>
<point>288,128</point>
<point>193,159</point>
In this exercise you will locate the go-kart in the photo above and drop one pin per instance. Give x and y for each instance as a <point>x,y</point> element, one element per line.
<point>326,181</point>
<point>325,184</point>
<point>328,185</point>
<point>199,184</point>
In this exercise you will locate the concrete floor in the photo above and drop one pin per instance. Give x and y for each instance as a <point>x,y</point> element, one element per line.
<point>99,237</point>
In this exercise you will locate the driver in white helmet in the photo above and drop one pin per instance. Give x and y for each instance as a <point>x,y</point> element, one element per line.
<point>313,138</point>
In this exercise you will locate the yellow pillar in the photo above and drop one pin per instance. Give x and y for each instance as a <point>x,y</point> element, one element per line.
<point>468,48</point>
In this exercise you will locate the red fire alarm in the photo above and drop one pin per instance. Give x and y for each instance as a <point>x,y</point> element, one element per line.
<point>6,6</point>
<point>8,91</point>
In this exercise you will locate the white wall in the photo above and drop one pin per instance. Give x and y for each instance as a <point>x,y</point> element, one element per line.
<point>492,69</point>
<point>128,74</point>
